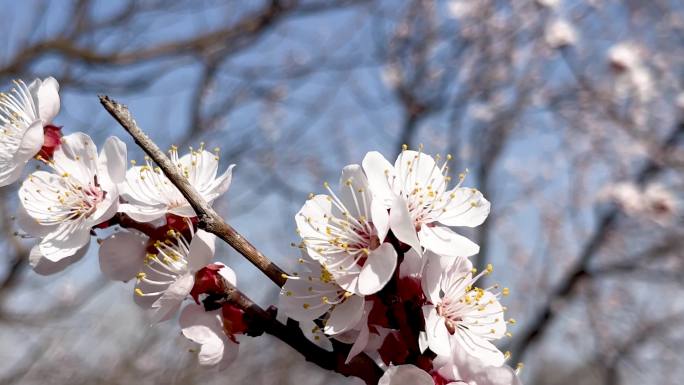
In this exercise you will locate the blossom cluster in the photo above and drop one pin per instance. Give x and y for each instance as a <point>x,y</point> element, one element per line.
<point>381,269</point>
<point>150,230</point>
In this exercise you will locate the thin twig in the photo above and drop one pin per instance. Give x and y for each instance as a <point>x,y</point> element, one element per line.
<point>209,220</point>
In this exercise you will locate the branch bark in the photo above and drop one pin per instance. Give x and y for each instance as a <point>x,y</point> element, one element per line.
<point>209,220</point>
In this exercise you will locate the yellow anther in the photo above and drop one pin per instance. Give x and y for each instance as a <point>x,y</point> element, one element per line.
<point>511,321</point>
<point>139,292</point>
<point>490,268</point>
<point>404,147</point>
<point>506,291</point>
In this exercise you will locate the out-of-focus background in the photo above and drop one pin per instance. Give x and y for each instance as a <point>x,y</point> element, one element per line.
<point>569,116</point>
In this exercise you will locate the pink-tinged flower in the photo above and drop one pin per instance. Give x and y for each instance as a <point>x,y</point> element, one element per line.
<point>462,368</point>
<point>206,329</point>
<point>150,194</point>
<point>62,206</point>
<point>23,114</point>
<point>459,313</point>
<point>168,274</point>
<point>337,231</point>
<point>406,375</point>
<point>312,293</point>
<point>421,206</point>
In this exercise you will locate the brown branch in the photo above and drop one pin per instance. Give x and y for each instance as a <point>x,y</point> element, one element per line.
<point>360,366</point>
<point>209,220</point>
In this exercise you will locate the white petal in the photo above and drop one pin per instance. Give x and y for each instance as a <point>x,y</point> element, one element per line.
<point>362,338</point>
<point>378,269</point>
<point>202,247</point>
<point>48,99</point>
<point>356,197</point>
<point>31,143</point>
<point>44,266</point>
<point>439,268</point>
<point>65,240</point>
<point>344,316</point>
<point>380,218</point>
<point>412,266</point>
<point>168,304</point>
<point>467,208</point>
<point>378,169</point>
<point>113,159</point>
<point>405,375</point>
<point>478,347</point>
<point>228,274</point>
<point>78,155</point>
<point>437,333</point>
<point>444,241</point>
<point>422,341</point>
<point>492,375</point>
<point>143,213</point>
<point>298,303</point>
<point>122,254</point>
<point>402,225</point>
<point>30,225</point>
<point>419,169</point>
<point>203,328</point>
<point>489,321</point>
<point>314,334</point>
<point>220,185</point>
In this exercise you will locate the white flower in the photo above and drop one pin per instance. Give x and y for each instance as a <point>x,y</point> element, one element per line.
<point>312,293</point>
<point>168,276</point>
<point>549,3</point>
<point>463,368</point>
<point>23,114</point>
<point>150,194</point>
<point>62,207</point>
<point>421,206</point>
<point>624,56</point>
<point>459,313</point>
<point>560,34</point>
<point>338,233</point>
<point>406,375</point>
<point>206,329</point>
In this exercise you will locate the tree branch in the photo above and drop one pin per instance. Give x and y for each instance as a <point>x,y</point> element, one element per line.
<point>209,220</point>
<point>360,366</point>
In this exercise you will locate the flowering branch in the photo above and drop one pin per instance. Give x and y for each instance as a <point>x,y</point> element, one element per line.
<point>209,220</point>
<point>264,321</point>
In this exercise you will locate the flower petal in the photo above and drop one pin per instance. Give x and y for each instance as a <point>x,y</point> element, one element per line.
<point>467,207</point>
<point>30,143</point>
<point>122,254</point>
<point>380,218</point>
<point>314,334</point>
<point>168,304</point>
<point>436,267</point>
<point>201,253</point>
<point>48,100</point>
<point>378,269</point>
<point>437,333</point>
<point>364,334</point>
<point>44,266</point>
<point>113,158</point>
<point>203,328</point>
<point>344,316</point>
<point>378,170</point>
<point>444,241</point>
<point>405,375</point>
<point>402,225</point>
